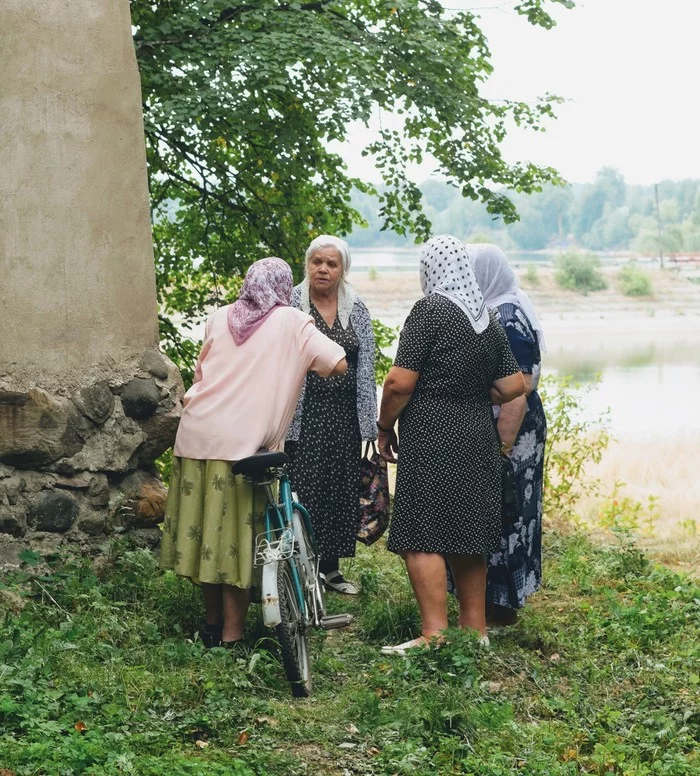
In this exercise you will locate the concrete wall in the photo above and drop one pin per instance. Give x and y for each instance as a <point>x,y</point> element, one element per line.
<point>77,283</point>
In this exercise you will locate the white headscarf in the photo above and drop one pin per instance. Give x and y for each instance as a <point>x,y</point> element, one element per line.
<point>445,269</point>
<point>499,284</point>
<point>346,294</point>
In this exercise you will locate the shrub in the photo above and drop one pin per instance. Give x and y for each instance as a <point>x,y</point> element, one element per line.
<point>573,442</point>
<point>531,275</point>
<point>634,281</point>
<point>627,517</point>
<point>579,272</point>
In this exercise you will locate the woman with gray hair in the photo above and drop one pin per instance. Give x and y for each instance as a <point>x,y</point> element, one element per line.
<point>334,416</point>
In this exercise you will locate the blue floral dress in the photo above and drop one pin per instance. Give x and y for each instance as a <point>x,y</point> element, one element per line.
<point>515,571</point>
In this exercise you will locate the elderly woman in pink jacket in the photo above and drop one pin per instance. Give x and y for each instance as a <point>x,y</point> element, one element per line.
<point>255,356</point>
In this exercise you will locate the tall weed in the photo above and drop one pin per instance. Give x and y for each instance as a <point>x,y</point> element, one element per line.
<point>572,443</point>
<point>384,338</point>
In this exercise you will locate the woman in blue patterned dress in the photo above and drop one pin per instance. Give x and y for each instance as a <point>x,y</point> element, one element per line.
<point>515,571</point>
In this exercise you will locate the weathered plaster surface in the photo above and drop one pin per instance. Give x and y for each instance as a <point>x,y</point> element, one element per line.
<point>77,287</point>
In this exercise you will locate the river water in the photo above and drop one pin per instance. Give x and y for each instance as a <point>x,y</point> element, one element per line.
<point>406,259</point>
<point>648,391</point>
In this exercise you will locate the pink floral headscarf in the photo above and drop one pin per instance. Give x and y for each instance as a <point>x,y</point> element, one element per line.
<point>267,285</point>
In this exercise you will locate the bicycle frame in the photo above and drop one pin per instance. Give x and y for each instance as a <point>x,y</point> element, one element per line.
<point>291,592</point>
<point>279,516</point>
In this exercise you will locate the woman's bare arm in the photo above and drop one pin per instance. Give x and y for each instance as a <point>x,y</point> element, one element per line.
<point>509,421</point>
<point>396,393</point>
<point>507,388</point>
<point>340,368</point>
<point>511,416</point>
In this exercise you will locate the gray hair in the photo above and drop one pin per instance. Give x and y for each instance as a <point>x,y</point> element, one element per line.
<point>329,241</point>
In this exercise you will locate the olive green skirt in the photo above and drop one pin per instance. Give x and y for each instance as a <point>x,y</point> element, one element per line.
<point>211,519</point>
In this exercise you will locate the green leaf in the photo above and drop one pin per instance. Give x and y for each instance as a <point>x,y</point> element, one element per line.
<point>30,558</point>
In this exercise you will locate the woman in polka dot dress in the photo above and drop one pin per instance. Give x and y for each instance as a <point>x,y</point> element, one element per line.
<point>334,416</point>
<point>453,363</point>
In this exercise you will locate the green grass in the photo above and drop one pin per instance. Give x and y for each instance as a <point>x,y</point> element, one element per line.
<point>99,675</point>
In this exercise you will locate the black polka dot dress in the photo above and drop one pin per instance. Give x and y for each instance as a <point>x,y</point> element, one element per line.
<point>325,463</point>
<point>448,487</point>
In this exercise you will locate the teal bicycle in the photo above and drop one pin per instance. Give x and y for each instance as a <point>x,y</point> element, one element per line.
<point>292,593</point>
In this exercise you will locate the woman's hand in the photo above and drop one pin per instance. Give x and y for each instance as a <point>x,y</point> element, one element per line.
<point>388,445</point>
<point>510,419</point>
<point>396,394</point>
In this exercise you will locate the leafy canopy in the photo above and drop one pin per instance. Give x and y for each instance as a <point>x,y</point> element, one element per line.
<point>242,98</point>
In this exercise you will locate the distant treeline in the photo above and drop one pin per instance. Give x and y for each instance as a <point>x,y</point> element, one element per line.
<point>607,215</point>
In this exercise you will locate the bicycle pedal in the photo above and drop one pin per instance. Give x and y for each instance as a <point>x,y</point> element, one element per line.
<point>335,621</point>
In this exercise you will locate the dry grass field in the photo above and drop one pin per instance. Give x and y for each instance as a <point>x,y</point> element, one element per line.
<point>389,295</point>
<point>668,470</point>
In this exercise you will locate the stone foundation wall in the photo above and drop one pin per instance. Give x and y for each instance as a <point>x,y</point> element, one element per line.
<point>87,402</point>
<point>77,465</point>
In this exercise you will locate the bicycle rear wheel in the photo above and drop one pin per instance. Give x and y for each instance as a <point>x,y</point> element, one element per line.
<point>292,633</point>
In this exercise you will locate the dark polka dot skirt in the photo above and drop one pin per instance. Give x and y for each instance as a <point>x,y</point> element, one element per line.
<point>325,466</point>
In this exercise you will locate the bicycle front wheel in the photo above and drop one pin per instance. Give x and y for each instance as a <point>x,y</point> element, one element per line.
<point>292,633</point>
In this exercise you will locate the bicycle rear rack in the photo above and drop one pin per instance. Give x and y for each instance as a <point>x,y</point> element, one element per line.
<point>274,545</point>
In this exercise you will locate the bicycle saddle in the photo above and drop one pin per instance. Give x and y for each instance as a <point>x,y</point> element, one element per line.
<point>256,465</point>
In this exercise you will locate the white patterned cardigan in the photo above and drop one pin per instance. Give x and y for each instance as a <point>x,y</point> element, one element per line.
<point>366,386</point>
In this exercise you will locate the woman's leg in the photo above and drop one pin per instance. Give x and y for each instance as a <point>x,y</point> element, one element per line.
<point>328,565</point>
<point>469,572</point>
<point>210,633</point>
<point>213,603</point>
<point>426,570</point>
<point>236,601</point>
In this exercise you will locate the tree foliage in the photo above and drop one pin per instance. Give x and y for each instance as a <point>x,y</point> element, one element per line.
<point>243,97</point>
<point>605,215</point>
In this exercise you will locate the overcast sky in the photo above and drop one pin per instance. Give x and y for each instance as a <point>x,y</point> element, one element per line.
<point>629,70</point>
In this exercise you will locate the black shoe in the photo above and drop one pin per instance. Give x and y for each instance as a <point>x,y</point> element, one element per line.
<point>334,580</point>
<point>210,635</point>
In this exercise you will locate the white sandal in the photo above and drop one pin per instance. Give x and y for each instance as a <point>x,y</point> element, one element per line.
<point>422,642</point>
<point>400,649</point>
<point>335,581</point>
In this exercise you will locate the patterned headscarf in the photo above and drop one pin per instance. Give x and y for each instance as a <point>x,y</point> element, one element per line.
<point>499,284</point>
<point>346,293</point>
<point>445,269</point>
<point>267,285</point>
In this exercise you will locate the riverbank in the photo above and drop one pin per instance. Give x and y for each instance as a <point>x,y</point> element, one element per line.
<point>676,294</point>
